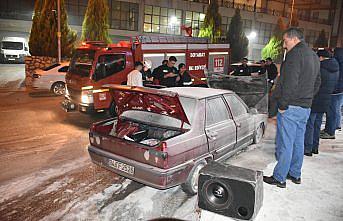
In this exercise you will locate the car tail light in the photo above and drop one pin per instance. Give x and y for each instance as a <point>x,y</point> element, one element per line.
<point>162,148</point>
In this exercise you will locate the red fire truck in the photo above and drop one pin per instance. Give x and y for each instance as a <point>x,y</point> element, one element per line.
<point>96,64</point>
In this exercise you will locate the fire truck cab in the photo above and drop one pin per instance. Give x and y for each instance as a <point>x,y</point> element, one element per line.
<point>96,64</point>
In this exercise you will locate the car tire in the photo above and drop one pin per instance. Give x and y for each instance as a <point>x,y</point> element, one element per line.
<point>58,88</point>
<point>259,133</point>
<point>113,110</point>
<point>190,187</point>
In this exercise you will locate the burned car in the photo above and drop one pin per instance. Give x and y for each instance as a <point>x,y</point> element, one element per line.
<point>162,138</point>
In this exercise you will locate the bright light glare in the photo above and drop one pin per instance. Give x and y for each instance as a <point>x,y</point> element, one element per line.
<point>252,35</point>
<point>202,17</point>
<point>173,20</point>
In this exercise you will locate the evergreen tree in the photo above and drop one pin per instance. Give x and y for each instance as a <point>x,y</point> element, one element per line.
<point>274,47</point>
<point>68,36</point>
<point>43,37</point>
<point>237,39</point>
<point>321,41</point>
<point>212,23</point>
<point>36,29</point>
<point>95,24</point>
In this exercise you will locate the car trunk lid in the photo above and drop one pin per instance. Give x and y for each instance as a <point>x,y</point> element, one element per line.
<point>147,99</point>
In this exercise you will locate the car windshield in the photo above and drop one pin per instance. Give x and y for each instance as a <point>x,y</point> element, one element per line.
<point>188,105</point>
<point>82,62</point>
<point>12,45</point>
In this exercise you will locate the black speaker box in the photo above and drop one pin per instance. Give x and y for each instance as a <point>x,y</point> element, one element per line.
<point>230,190</point>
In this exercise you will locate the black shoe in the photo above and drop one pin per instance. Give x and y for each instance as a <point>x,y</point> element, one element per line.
<point>270,180</point>
<point>294,180</point>
<point>308,154</point>
<point>326,136</point>
<point>315,151</point>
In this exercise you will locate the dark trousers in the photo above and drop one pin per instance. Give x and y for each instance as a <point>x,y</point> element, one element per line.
<point>312,132</point>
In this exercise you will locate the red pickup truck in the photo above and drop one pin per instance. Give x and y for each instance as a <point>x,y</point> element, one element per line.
<point>95,64</point>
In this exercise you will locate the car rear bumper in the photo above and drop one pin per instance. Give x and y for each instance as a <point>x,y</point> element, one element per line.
<point>143,173</point>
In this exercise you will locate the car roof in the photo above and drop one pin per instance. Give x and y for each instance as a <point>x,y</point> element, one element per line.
<point>197,92</point>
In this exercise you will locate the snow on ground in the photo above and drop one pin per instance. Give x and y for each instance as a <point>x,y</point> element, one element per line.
<point>18,187</point>
<point>319,197</point>
<point>55,186</point>
<point>12,75</point>
<point>88,209</point>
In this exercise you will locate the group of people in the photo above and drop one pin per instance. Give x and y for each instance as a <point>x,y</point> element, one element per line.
<point>309,85</point>
<point>165,75</point>
<point>266,66</point>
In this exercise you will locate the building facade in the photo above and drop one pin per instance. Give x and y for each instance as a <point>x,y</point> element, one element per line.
<point>129,18</point>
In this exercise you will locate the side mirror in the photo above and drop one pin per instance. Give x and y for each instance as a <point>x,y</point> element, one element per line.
<point>253,111</point>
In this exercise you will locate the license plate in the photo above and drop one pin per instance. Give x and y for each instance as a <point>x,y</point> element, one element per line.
<point>121,166</point>
<point>11,59</point>
<point>83,109</point>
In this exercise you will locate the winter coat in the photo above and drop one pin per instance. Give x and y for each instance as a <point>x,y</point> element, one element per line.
<point>338,54</point>
<point>329,72</point>
<point>299,78</point>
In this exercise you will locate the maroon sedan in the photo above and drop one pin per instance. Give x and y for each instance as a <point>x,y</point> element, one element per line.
<point>162,138</point>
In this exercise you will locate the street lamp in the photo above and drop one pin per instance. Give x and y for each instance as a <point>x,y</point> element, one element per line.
<point>251,36</point>
<point>173,21</point>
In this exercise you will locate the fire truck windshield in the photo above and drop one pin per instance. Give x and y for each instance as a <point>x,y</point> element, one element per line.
<point>82,62</point>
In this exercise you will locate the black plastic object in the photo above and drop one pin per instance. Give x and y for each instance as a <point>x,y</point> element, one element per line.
<point>230,191</point>
<point>254,90</point>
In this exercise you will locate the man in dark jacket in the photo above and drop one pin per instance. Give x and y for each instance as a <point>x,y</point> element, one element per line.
<point>333,115</point>
<point>271,70</point>
<point>329,72</point>
<point>299,81</point>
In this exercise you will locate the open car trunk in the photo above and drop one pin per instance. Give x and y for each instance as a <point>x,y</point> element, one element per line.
<point>134,140</point>
<point>147,119</point>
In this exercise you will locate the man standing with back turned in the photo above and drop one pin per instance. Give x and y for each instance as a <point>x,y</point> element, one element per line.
<point>299,82</point>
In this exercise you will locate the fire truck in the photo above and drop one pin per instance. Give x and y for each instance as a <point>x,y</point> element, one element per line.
<point>95,64</point>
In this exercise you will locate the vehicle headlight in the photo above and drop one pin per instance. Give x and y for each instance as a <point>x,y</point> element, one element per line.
<point>36,75</point>
<point>87,97</point>
<point>66,91</point>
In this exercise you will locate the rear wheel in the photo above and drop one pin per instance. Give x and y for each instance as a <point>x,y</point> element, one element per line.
<point>58,88</point>
<point>259,133</point>
<point>191,185</point>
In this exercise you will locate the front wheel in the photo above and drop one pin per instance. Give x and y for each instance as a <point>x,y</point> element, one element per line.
<point>191,185</point>
<point>58,88</point>
<point>113,110</point>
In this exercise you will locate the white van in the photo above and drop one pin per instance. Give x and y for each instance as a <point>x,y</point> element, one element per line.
<point>13,49</point>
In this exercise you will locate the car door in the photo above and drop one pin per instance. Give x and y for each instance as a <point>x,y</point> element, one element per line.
<point>220,129</point>
<point>244,123</point>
